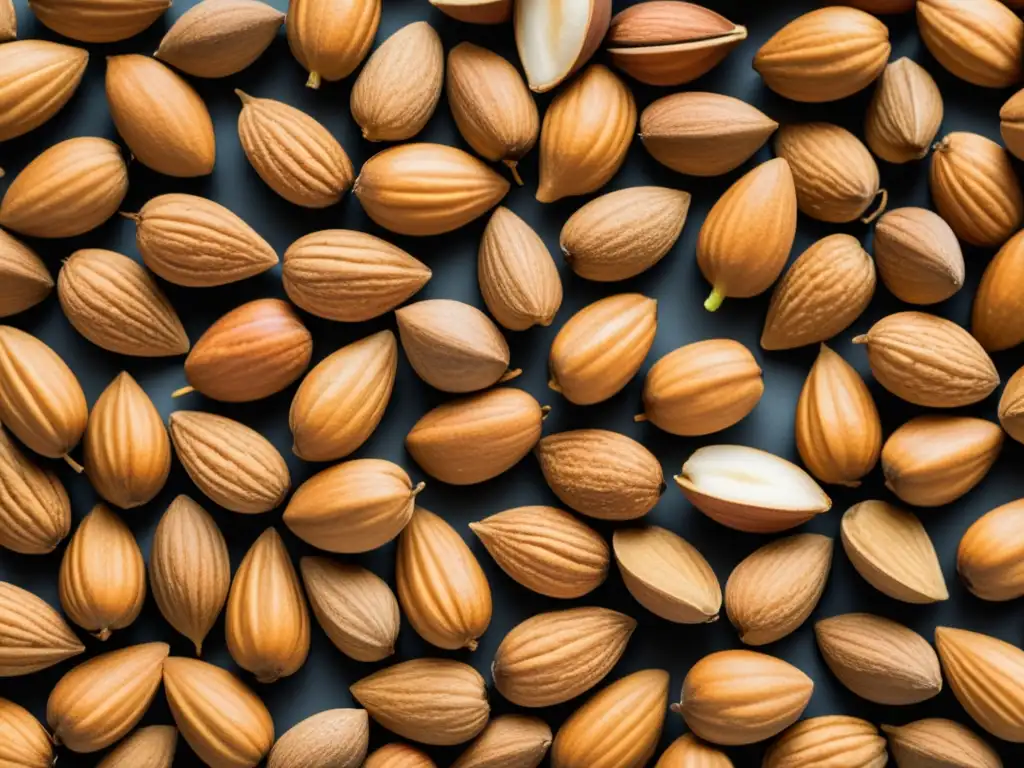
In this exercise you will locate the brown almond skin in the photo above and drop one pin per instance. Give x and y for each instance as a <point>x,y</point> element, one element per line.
<point>689,752</point>
<point>35,511</point>
<point>989,558</point>
<point>509,741</point>
<point>26,743</point>
<point>918,256</point>
<point>1011,407</point>
<point>329,38</point>
<point>33,636</point>
<point>398,755</point>
<point>980,42</point>
<point>151,747</point>
<point>24,278</point>
<point>934,742</point>
<point>823,740</point>
<point>37,78</point>
<point>1011,125</point>
<point>905,113</point>
<point>99,21</point>
<point>997,318</point>
<point>335,738</point>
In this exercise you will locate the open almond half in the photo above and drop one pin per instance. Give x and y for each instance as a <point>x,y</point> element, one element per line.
<point>556,37</point>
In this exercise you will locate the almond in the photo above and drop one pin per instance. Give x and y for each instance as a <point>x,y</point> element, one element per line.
<point>937,743</point>
<point>981,42</point>
<point>1011,124</point>
<point>989,557</point>
<point>742,697</point>
<point>150,747</point>
<point>453,346</point>
<point>223,721</point>
<point>98,21</point>
<point>670,43</point>
<point>509,741</point>
<point>747,235</point>
<point>433,701</point>
<point>1011,407</point>
<point>448,605</point>
<point>219,38</point>
<point>35,512</point>
<point>773,591</point>
<point>33,636</point>
<point>492,107</point>
<point>477,438</point>
<point>355,506</point>
<point>101,700</point>
<point>67,190</point>
<point>26,743</point>
<point>928,360</point>
<point>161,118</point>
<point>601,474</point>
<point>688,752</point>
<point>890,548</point>
<point>294,154</point>
<point>341,401</point>
<point>601,347</point>
<point>884,6</point>
<point>38,78</point>
<point>624,233</point>
<point>825,55</point>
<point>475,12</point>
<point>398,755</point>
<point>337,738</point>
<point>557,38</point>
<point>355,607</point>
<point>426,189</point>
<point>115,303</point>
<point>845,742</point>
<point>750,490</point>
<point>996,320</point>
<point>585,135</point>
<point>518,278</point>
<point>975,188</point>
<point>905,113</point>
<point>918,256</point>
<point>330,38</point>
<point>546,550</point>
<point>197,243</point>
<point>252,352</point>
<point>8,21</point>
<point>349,276</point>
<point>233,465</point>
<point>821,295</point>
<point>24,278</point>
<point>702,134</point>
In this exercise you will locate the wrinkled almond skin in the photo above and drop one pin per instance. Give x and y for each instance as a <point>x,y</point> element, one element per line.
<point>918,256</point>
<point>981,42</point>
<point>509,741</point>
<point>905,113</point>
<point>989,558</point>
<point>1011,124</point>
<point>1011,407</point>
<point>553,657</point>
<point>98,21</point>
<point>337,738</point>
<point>996,318</point>
<point>35,512</point>
<point>773,591</point>
<point>330,38</point>
<point>937,743</point>
<point>24,278</point>
<point>688,752</point>
<point>398,755</point>
<point>37,78</point>
<point>845,742</point>
<point>618,726</point>
<point>441,587</point>
<point>33,636</point>
<point>24,743</point>
<point>150,747</point>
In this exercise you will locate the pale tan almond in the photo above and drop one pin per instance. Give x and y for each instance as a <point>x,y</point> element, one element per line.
<point>883,6</point>
<point>8,21</point>
<point>773,591</point>
<point>35,512</point>
<point>341,401</point>
<point>834,740</point>
<point>1011,407</point>
<point>98,21</point>
<point>330,38</point>
<point>1011,124</point>
<point>151,747</point>
<point>219,38</point>
<point>578,26</point>
<point>337,738</point>
<point>37,78</point>
<point>23,740</point>
<point>24,278</point>
<point>33,636</point>
<point>689,752</point>
<point>981,42</point>
<point>989,558</point>
<point>161,118</point>
<point>918,256</point>
<point>890,548</point>
<point>475,12</point>
<point>905,113</point>
<point>398,755</point>
<point>509,741</point>
<point>996,318</point>
<point>939,743</point>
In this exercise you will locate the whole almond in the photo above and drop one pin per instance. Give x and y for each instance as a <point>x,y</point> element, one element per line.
<point>989,556</point>
<point>773,591</point>
<point>883,6</point>
<point>518,278</point>
<point>975,187</point>
<point>252,352</point>
<point>426,189</point>
<point>476,12</point>
<point>619,725</point>
<point>23,740</point>
<point>150,747</point>
<point>161,118</point>
<point>553,657</point>
<point>33,636</point>
<point>624,233</point>
<point>747,235</point>
<point>330,38</point>
<point>890,548</point>
<point>24,278</point>
<point>221,719</point>
<point>219,38</point>
<point>349,276</point>
<point>35,512</point>
<point>995,318</point>
<point>101,700</point>
<point>938,743</point>
<point>398,755</point>
<point>341,401</point>
<point>905,113</point>
<point>1011,407</point>
<point>981,42</point>
<point>337,738</point>
<point>127,451</point>
<point>918,256</point>
<point>294,154</point>
<point>67,190</point>
<point>601,474</point>
<point>433,701</point>
<point>928,360</point>
<point>1011,124</point>
<point>585,135</point>
<point>703,134</point>
<point>509,741</point>
<point>37,78</point>
<point>189,569</point>
<point>451,607</point>
<point>98,21</point>
<point>742,697</point>
<point>824,55</point>
<point>601,347</point>
<point>821,295</point>
<point>832,740</point>
<point>688,752</point>
<point>233,465</point>
<point>453,346</point>
<point>546,550</point>
<point>355,607</point>
<point>355,506</point>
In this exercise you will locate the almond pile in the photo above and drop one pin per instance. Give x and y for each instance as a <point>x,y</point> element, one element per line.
<point>528,634</point>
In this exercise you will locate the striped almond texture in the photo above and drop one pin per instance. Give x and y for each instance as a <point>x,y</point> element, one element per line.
<point>24,742</point>
<point>337,737</point>
<point>509,741</point>
<point>935,742</point>
<point>981,42</point>
<point>33,636</point>
<point>844,742</point>
<point>330,38</point>
<point>24,278</point>
<point>37,78</point>
<point>150,747</point>
<point>35,512</point>
<point>98,21</point>
<point>689,752</point>
<point>398,755</point>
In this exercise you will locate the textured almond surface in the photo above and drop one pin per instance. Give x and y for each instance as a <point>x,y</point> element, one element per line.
<point>151,747</point>
<point>1011,124</point>
<point>937,743</point>
<point>689,752</point>
<point>832,740</point>
<point>33,636</point>
<point>989,559</point>
<point>509,741</point>
<point>35,512</point>
<point>329,38</point>
<point>398,755</point>
<point>37,78</point>
<point>23,741</point>
<point>996,319</point>
<point>1011,407</point>
<point>981,42</point>
<point>98,21</point>
<point>918,256</point>
<point>337,737</point>
<point>24,278</point>
<point>905,113</point>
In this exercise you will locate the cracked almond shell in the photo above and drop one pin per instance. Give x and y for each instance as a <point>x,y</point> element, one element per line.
<point>937,743</point>
<point>151,747</point>
<point>37,78</point>
<point>24,279</point>
<point>33,636</point>
<point>981,42</point>
<point>509,741</point>
<point>997,318</point>
<point>35,512</point>
<point>24,743</point>
<point>905,113</point>
<point>98,21</point>
<point>918,256</point>
<point>330,38</point>
<point>831,740</point>
<point>337,738</point>
<point>990,558</point>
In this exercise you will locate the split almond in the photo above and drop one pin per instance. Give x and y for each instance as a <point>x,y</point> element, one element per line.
<point>918,256</point>
<point>989,558</point>
<point>35,512</point>
<point>25,742</point>
<point>689,752</point>
<point>557,38</point>
<point>33,636</point>
<point>150,747</point>
<point>905,113</point>
<point>996,319</point>
<point>935,741</point>
<point>474,12</point>
<point>890,548</point>
<point>337,737</point>
<point>831,740</point>
<point>981,42</point>
<point>509,741</point>
<point>1011,124</point>
<point>1011,407</point>
<point>330,38</point>
<point>37,78</point>
<point>24,278</point>
<point>98,21</point>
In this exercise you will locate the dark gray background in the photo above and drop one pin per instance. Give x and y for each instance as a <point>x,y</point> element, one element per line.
<point>676,282</point>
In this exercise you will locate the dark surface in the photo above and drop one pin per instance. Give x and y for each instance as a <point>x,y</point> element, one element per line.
<point>676,282</point>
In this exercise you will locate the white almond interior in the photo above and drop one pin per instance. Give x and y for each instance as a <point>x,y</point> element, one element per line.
<point>550,35</point>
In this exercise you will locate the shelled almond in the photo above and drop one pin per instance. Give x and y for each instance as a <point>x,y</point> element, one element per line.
<point>918,257</point>
<point>98,21</point>
<point>37,78</point>
<point>330,38</point>
<point>24,278</point>
<point>989,556</point>
<point>33,636</point>
<point>905,113</point>
<point>26,742</point>
<point>981,42</point>
<point>996,318</point>
<point>35,511</point>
